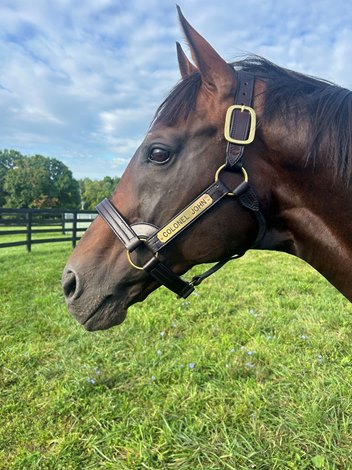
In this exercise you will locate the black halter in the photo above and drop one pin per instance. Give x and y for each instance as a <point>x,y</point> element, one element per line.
<point>240,125</point>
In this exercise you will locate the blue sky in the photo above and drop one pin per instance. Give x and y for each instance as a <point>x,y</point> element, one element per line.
<point>80,79</point>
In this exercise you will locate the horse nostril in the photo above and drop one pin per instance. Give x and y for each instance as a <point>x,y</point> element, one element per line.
<point>69,285</point>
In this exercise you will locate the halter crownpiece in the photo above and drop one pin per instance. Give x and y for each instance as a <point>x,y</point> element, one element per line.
<point>239,130</point>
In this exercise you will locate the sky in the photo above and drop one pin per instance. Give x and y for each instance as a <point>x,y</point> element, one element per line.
<point>80,80</point>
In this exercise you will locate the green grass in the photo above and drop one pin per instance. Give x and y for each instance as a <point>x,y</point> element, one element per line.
<point>253,372</point>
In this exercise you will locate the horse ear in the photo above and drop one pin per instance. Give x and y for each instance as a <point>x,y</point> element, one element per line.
<point>216,74</point>
<point>186,67</point>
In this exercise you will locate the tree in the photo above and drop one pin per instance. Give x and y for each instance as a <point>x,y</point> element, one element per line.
<point>40,182</point>
<point>94,191</point>
<point>8,159</point>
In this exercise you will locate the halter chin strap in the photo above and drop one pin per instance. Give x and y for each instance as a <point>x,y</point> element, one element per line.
<point>240,125</point>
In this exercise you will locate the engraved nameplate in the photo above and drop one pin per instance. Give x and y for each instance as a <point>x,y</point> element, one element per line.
<point>184,218</point>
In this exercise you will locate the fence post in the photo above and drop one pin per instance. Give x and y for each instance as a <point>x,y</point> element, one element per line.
<point>74,229</point>
<point>63,223</point>
<point>29,230</point>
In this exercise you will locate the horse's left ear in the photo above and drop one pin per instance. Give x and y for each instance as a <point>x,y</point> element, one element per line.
<point>186,67</point>
<point>217,75</point>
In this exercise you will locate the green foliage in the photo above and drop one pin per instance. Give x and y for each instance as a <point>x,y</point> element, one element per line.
<point>42,182</point>
<point>39,182</point>
<point>94,191</point>
<point>253,372</point>
<point>8,159</point>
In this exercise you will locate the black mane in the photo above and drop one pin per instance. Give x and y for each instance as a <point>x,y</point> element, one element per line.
<point>180,102</point>
<point>289,95</point>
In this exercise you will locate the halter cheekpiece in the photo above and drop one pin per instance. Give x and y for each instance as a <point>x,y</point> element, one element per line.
<point>239,131</point>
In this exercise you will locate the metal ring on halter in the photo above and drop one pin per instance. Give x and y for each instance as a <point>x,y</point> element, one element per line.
<point>140,268</point>
<point>219,170</point>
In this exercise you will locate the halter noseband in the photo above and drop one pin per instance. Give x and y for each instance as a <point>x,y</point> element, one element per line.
<point>240,125</point>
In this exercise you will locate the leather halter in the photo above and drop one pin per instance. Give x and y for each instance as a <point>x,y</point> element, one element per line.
<point>239,131</point>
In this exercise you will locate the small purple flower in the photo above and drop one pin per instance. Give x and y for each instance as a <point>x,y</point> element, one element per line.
<point>91,381</point>
<point>232,350</point>
<point>249,365</point>
<point>153,378</point>
<point>191,365</point>
<point>250,353</point>
<point>159,353</point>
<point>96,370</point>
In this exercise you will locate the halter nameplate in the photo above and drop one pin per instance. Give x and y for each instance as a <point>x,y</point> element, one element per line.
<point>184,218</point>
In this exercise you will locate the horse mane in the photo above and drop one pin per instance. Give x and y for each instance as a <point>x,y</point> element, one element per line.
<point>327,107</point>
<point>291,96</point>
<point>180,102</point>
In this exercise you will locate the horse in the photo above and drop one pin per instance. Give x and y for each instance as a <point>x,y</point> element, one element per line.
<point>239,156</point>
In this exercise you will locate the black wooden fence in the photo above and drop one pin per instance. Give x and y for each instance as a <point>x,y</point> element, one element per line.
<point>32,223</point>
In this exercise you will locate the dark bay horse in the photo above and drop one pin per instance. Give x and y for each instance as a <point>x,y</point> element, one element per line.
<point>238,156</point>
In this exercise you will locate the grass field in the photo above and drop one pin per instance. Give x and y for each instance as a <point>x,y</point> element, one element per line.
<point>254,372</point>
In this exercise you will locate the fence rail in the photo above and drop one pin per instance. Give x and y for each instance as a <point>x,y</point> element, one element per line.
<point>29,222</point>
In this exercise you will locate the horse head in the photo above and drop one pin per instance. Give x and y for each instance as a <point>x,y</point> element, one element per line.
<point>213,177</point>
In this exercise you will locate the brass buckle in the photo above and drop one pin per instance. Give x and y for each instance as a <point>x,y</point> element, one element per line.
<point>228,118</point>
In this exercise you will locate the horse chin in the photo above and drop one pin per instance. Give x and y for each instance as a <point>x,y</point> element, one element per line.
<point>109,313</point>
<point>110,310</point>
<point>100,314</point>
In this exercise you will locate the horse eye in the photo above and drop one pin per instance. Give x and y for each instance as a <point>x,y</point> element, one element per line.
<point>159,155</point>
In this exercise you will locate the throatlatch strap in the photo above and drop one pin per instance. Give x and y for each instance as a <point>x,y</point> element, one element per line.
<point>196,280</point>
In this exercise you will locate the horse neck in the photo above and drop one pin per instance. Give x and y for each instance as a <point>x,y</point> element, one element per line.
<point>311,217</point>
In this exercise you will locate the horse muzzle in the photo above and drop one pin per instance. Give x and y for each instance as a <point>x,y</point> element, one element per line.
<point>98,308</point>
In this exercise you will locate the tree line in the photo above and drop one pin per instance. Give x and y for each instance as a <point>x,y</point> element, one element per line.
<point>42,182</point>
